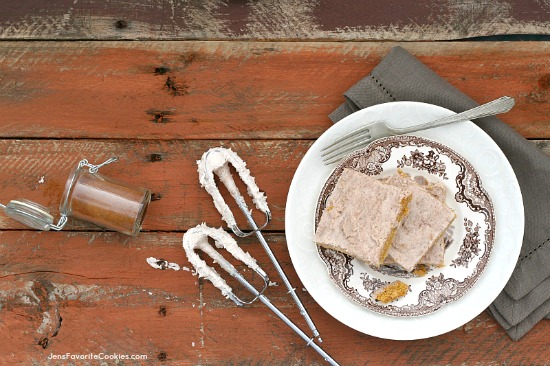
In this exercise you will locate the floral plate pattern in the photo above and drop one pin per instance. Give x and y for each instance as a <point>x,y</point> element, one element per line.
<point>469,241</point>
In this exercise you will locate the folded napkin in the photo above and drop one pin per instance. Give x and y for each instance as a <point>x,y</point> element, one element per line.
<point>526,297</point>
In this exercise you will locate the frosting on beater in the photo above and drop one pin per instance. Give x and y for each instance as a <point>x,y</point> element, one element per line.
<point>216,161</point>
<point>197,239</point>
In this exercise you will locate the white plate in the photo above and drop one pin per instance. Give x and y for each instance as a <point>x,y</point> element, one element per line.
<point>498,179</point>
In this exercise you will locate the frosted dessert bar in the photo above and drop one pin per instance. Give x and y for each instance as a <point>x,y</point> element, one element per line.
<point>361,217</point>
<point>427,220</point>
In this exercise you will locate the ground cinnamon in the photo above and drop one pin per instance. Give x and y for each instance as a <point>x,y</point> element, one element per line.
<point>106,202</point>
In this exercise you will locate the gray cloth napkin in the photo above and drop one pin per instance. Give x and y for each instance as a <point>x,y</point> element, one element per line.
<point>400,76</point>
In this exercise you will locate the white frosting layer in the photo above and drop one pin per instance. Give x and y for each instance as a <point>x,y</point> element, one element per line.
<point>216,161</point>
<point>162,264</point>
<point>197,238</point>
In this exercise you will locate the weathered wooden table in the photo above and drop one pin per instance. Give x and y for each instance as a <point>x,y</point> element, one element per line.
<point>157,83</point>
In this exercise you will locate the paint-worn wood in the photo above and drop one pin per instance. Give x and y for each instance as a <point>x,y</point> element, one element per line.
<point>237,90</point>
<point>38,169</point>
<point>264,19</point>
<point>82,293</point>
<point>158,105</point>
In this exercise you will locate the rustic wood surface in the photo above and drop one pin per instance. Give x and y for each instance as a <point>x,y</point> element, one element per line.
<point>73,86</point>
<point>93,292</point>
<point>85,291</point>
<point>38,169</point>
<point>266,19</point>
<point>196,90</point>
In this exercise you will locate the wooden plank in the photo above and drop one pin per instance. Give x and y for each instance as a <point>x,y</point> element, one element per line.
<point>182,90</point>
<point>312,19</point>
<point>38,169</point>
<point>480,342</point>
<point>94,292</point>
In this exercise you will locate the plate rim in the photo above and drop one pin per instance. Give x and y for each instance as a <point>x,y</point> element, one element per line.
<point>369,317</point>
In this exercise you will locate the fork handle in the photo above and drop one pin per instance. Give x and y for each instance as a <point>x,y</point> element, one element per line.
<point>497,106</point>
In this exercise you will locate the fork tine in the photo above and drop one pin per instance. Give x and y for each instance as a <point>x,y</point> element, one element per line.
<point>340,154</point>
<point>361,135</point>
<point>347,136</point>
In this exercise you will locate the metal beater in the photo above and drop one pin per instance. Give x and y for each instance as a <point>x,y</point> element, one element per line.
<point>197,239</point>
<point>216,161</point>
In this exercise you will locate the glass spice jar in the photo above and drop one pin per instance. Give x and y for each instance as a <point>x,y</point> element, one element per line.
<point>103,201</point>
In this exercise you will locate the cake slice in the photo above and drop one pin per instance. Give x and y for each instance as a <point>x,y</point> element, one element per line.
<point>425,224</point>
<point>435,256</point>
<point>361,217</point>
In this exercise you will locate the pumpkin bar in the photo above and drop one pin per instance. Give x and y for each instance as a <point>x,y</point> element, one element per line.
<point>361,217</point>
<point>426,222</point>
<point>435,256</point>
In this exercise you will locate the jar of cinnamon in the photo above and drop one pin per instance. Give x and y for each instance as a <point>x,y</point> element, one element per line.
<point>103,201</point>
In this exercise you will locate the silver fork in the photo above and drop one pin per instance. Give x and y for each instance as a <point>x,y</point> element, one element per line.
<point>363,136</point>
